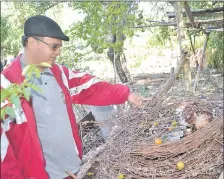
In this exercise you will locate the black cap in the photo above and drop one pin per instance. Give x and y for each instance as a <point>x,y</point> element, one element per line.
<point>43,26</point>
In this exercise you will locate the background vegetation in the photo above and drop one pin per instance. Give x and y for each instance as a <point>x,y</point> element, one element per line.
<point>109,28</point>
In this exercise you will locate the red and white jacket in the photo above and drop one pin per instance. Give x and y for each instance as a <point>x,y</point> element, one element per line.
<point>21,152</point>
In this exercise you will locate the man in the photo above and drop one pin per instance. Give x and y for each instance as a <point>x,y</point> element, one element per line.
<point>42,141</point>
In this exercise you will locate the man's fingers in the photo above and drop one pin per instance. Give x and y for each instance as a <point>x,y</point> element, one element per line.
<point>138,100</point>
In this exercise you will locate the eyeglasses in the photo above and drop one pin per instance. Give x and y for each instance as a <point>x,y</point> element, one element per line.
<point>54,47</point>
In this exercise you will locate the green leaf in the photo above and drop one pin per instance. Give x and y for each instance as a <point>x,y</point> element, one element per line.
<point>30,72</point>
<point>37,72</point>
<point>104,45</point>
<point>131,17</point>
<point>9,111</point>
<point>136,7</point>
<point>15,90</point>
<point>131,33</point>
<point>44,64</point>
<point>26,92</point>
<point>99,50</point>
<point>4,95</point>
<point>26,70</point>
<point>2,113</point>
<point>15,100</point>
<point>36,88</point>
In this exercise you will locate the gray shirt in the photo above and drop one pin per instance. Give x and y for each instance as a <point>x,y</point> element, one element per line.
<point>54,128</point>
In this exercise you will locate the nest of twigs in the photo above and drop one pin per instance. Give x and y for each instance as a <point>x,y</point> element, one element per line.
<point>130,150</point>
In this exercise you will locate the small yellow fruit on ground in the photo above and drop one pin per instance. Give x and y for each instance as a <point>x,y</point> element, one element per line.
<point>156,124</point>
<point>90,174</point>
<point>180,165</point>
<point>120,176</point>
<point>174,123</point>
<point>158,141</point>
<point>171,128</point>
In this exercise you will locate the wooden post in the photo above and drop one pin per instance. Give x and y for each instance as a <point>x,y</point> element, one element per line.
<point>201,62</point>
<point>187,75</point>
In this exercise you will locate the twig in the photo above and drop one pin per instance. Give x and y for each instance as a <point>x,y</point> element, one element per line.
<point>71,175</point>
<point>92,122</point>
<point>124,148</point>
<point>218,142</point>
<point>89,159</point>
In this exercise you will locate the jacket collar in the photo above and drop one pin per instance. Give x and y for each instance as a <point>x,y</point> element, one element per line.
<point>14,72</point>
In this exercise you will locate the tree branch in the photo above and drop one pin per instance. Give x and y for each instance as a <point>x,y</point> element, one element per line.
<point>44,10</point>
<point>198,23</point>
<point>198,12</point>
<point>215,29</point>
<point>189,13</point>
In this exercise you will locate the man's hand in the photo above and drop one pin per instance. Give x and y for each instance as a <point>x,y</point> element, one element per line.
<point>137,100</point>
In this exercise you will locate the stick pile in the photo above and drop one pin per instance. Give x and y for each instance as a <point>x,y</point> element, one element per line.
<point>130,150</point>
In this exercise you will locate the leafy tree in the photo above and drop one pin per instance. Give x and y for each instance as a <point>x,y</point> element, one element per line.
<point>215,47</point>
<point>13,17</point>
<point>105,27</point>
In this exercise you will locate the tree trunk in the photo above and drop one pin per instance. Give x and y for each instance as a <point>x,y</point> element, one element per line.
<point>125,67</point>
<point>187,75</point>
<point>183,43</point>
<point>117,63</point>
<point>183,52</point>
<point>118,66</point>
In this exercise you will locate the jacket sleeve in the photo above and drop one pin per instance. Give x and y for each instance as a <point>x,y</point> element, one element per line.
<point>9,164</point>
<point>87,89</point>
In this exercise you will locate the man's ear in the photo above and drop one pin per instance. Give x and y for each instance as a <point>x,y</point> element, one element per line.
<point>31,42</point>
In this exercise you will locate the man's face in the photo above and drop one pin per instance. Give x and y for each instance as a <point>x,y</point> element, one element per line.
<point>47,49</point>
